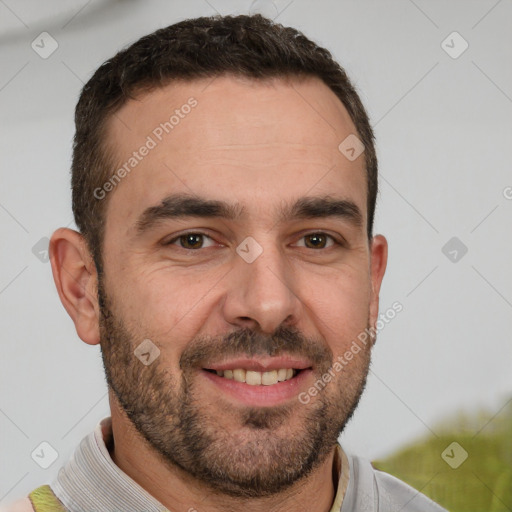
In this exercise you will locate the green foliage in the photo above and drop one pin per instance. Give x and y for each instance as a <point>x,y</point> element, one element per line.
<point>481,483</point>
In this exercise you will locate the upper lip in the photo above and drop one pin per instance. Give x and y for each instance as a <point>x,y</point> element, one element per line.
<point>261,364</point>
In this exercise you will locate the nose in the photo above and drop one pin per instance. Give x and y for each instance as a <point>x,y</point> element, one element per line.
<point>260,294</point>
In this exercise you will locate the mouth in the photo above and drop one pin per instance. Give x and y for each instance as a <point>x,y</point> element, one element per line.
<point>255,378</point>
<point>260,382</point>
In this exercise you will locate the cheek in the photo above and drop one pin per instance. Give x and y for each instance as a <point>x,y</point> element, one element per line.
<point>340,306</point>
<point>168,306</point>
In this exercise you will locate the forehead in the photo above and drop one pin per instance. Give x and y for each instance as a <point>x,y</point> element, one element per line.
<point>229,138</point>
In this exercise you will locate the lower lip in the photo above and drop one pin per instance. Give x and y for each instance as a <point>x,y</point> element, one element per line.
<point>260,395</point>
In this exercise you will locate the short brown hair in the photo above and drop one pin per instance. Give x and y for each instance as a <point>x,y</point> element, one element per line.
<point>248,46</point>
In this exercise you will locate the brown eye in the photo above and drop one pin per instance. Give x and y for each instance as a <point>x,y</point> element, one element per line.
<point>193,240</point>
<point>316,240</point>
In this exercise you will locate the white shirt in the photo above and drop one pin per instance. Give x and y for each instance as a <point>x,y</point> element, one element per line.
<point>91,481</point>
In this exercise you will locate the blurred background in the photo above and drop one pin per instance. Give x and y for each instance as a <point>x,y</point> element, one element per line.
<point>436,79</point>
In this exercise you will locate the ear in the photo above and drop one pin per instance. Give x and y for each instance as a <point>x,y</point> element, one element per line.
<point>75,277</point>
<point>378,262</point>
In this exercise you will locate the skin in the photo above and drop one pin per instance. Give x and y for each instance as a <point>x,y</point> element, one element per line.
<point>260,144</point>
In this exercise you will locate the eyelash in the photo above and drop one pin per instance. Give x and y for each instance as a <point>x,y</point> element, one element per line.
<point>335,241</point>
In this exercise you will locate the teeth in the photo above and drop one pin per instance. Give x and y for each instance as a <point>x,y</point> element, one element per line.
<point>269,378</point>
<point>239,375</point>
<point>281,374</point>
<point>253,378</point>
<point>258,378</point>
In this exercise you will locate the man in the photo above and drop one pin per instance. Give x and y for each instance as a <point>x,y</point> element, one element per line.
<point>224,183</point>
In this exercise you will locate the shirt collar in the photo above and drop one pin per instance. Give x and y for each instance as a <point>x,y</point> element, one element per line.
<point>342,474</point>
<point>92,481</point>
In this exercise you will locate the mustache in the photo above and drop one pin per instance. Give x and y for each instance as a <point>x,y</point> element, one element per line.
<point>248,343</point>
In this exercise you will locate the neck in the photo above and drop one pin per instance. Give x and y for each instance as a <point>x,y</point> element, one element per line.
<point>180,492</point>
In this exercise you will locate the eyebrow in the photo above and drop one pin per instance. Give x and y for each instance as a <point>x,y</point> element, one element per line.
<point>184,205</point>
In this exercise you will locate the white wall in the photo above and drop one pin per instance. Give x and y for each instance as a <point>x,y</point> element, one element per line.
<point>444,138</point>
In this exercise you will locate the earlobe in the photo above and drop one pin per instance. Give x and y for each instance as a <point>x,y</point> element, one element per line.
<point>75,277</point>
<point>379,258</point>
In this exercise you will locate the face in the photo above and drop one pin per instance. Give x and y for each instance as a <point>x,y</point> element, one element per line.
<point>237,245</point>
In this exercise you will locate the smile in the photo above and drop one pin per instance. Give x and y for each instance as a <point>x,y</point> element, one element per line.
<point>254,378</point>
